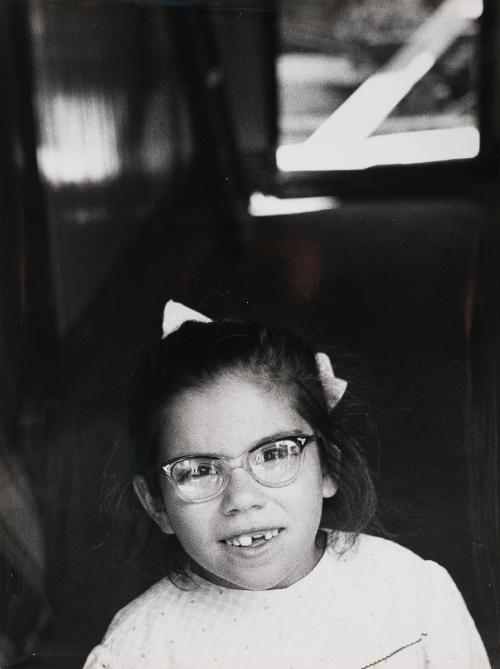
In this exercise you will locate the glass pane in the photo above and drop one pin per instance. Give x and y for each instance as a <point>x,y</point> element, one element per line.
<point>367,82</point>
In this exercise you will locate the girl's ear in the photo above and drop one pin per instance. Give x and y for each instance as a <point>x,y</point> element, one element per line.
<point>153,507</point>
<point>329,485</point>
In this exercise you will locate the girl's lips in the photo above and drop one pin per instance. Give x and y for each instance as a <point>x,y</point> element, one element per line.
<point>252,539</point>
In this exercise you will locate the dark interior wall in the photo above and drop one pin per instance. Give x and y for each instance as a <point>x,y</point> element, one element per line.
<point>24,337</point>
<point>490,76</point>
<point>246,39</point>
<point>114,119</point>
<point>10,244</point>
<point>114,133</point>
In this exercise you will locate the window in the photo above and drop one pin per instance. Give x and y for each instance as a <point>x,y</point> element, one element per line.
<point>377,82</point>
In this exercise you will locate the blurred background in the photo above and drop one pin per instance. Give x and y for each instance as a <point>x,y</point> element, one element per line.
<point>332,165</point>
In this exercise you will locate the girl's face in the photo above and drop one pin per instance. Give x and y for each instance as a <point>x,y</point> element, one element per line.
<point>228,418</point>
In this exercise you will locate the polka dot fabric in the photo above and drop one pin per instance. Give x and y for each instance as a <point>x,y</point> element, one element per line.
<point>376,605</point>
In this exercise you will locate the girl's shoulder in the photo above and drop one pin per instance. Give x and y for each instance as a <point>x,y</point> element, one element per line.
<point>382,559</point>
<point>150,605</point>
<point>385,575</point>
<point>370,547</point>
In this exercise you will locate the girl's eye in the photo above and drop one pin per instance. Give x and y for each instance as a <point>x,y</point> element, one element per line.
<point>279,450</point>
<point>189,470</point>
<point>201,470</point>
<point>269,454</point>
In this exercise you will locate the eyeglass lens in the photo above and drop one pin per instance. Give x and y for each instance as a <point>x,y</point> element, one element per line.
<point>275,463</point>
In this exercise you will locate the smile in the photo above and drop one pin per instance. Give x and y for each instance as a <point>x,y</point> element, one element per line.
<point>252,538</point>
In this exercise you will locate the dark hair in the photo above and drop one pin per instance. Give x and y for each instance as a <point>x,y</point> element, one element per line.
<point>197,354</point>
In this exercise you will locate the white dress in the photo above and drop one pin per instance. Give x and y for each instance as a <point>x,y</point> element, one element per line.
<point>376,605</point>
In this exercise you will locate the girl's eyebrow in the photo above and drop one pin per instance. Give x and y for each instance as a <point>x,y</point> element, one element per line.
<point>275,437</point>
<point>282,434</point>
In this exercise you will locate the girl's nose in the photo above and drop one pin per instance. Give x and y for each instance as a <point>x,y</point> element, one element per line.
<point>242,493</point>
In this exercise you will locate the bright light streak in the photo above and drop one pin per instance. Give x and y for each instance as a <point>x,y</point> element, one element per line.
<point>472,9</point>
<point>268,205</point>
<point>400,148</point>
<point>79,141</point>
<point>369,105</point>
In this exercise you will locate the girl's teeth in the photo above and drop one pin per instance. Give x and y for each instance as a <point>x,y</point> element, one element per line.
<point>247,539</point>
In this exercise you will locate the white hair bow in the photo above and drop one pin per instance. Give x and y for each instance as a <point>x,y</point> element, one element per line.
<point>175,314</point>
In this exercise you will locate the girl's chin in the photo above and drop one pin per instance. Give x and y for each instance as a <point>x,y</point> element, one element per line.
<point>261,567</point>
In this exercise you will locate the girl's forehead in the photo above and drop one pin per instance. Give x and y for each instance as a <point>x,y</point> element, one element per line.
<point>227,417</point>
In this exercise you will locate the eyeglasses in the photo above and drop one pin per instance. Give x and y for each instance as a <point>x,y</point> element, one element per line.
<point>275,463</point>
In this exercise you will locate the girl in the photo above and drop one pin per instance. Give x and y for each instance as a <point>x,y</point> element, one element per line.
<point>243,468</point>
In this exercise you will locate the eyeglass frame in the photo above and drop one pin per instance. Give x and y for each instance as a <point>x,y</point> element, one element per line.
<point>238,462</point>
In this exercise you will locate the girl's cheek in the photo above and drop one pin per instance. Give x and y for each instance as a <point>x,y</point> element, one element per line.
<point>189,519</point>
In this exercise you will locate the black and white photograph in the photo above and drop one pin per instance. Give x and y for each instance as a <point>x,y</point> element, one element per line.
<point>249,326</point>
